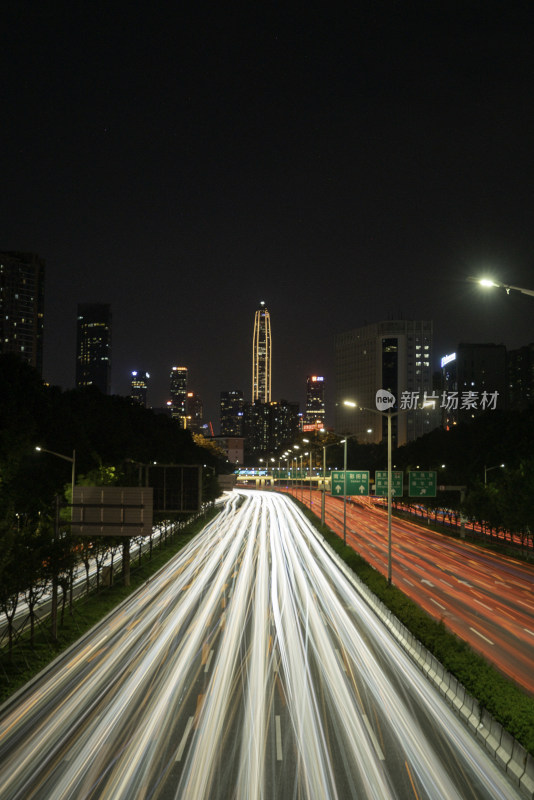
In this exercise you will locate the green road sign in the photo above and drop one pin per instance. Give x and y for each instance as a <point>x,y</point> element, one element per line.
<point>422,483</point>
<point>381,483</point>
<point>357,483</point>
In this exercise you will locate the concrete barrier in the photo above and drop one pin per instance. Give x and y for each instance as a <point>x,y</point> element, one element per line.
<point>526,781</point>
<point>504,750</point>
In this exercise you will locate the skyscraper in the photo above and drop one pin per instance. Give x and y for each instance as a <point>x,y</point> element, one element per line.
<point>93,346</point>
<point>178,391</point>
<point>314,401</point>
<point>194,411</point>
<point>231,413</point>
<point>261,356</point>
<point>139,390</point>
<point>21,306</point>
<point>395,355</point>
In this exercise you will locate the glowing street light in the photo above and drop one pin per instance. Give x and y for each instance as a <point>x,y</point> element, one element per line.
<point>489,283</point>
<point>488,469</point>
<point>65,458</point>
<point>389,414</point>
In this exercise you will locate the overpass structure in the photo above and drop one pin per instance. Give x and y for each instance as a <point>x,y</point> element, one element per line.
<point>264,479</point>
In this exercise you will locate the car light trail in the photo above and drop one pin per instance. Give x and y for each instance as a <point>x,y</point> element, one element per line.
<point>249,667</point>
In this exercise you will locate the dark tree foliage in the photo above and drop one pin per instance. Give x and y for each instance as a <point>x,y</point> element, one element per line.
<point>103,431</point>
<point>110,436</point>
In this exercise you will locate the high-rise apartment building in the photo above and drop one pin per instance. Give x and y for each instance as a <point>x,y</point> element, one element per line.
<point>269,427</point>
<point>22,306</point>
<point>520,372</point>
<point>93,346</point>
<point>231,413</point>
<point>261,356</point>
<point>139,390</point>
<point>194,411</point>
<point>395,355</point>
<point>315,408</point>
<point>474,369</point>
<point>178,392</point>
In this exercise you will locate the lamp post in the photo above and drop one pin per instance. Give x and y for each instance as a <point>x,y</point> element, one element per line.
<point>489,283</point>
<point>65,458</point>
<point>389,415</point>
<point>73,481</point>
<point>488,469</point>
<point>344,442</point>
<point>325,446</point>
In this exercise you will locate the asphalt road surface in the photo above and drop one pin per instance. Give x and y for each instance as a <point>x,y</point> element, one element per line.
<point>248,668</point>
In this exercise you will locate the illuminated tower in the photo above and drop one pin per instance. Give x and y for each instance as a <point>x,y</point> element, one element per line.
<point>261,356</point>
<point>93,346</point>
<point>178,391</point>
<point>315,401</point>
<point>139,390</point>
<point>21,306</point>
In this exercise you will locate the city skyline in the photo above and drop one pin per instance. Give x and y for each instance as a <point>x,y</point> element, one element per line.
<point>361,168</point>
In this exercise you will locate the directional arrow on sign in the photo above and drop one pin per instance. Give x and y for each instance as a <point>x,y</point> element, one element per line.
<point>362,489</point>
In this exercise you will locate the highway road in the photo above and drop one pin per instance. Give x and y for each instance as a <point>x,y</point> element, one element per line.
<point>485,598</point>
<point>248,668</point>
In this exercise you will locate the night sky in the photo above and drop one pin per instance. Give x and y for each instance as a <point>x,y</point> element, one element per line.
<point>345,163</point>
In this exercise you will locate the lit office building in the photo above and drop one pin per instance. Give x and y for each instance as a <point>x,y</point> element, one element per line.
<point>93,346</point>
<point>139,390</point>
<point>231,413</point>
<point>520,372</point>
<point>261,356</point>
<point>469,372</point>
<point>21,306</point>
<point>178,392</point>
<point>395,355</point>
<point>193,411</point>
<point>315,409</point>
<point>269,427</point>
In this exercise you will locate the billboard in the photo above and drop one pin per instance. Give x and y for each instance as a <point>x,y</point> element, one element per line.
<point>111,511</point>
<point>177,487</point>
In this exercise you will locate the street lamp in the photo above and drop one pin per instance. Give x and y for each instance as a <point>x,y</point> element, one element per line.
<point>65,458</point>
<point>325,446</point>
<point>488,469</point>
<point>389,414</point>
<point>489,283</point>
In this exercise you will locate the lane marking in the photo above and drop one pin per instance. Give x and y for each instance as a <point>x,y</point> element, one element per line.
<point>481,635</point>
<point>373,738</point>
<point>183,743</point>
<point>447,584</point>
<point>408,770</point>
<point>424,580</point>
<point>482,604</point>
<point>438,604</point>
<point>529,631</point>
<point>208,661</point>
<point>278,736</point>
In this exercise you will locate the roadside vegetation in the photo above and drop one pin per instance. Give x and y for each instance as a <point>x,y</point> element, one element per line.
<point>32,651</point>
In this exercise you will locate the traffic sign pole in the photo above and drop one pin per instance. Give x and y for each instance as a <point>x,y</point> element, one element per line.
<point>389,497</point>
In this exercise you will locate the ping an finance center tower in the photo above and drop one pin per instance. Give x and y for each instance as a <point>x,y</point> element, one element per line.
<point>261,356</point>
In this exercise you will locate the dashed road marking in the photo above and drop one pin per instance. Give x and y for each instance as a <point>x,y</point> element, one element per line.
<point>185,737</point>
